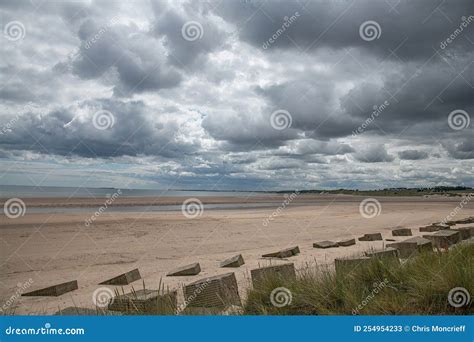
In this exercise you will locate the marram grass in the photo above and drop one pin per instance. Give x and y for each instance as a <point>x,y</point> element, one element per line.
<point>418,286</point>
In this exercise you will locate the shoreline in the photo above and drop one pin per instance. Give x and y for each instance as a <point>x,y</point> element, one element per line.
<point>306,199</point>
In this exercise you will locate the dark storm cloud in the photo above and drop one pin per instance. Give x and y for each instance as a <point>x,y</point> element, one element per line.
<point>308,147</point>
<point>374,154</point>
<point>66,132</point>
<point>244,131</point>
<point>409,29</point>
<point>310,103</point>
<point>422,97</point>
<point>463,149</point>
<point>139,59</point>
<point>412,155</point>
<point>193,23</point>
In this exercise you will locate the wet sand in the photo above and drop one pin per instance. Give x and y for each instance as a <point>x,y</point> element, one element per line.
<point>51,248</point>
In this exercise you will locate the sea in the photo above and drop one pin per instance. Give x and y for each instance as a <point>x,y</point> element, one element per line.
<point>22,192</point>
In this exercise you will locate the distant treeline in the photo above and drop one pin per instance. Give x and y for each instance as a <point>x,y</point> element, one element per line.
<point>447,190</point>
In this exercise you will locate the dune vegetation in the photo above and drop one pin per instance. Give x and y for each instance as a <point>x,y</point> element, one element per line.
<point>420,285</point>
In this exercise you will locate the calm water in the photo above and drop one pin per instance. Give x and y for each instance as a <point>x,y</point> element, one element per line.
<point>142,208</point>
<point>7,191</point>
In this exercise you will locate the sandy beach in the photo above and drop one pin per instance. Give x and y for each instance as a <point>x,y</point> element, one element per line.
<point>51,248</point>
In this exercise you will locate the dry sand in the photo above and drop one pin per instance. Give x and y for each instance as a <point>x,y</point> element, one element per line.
<point>54,248</point>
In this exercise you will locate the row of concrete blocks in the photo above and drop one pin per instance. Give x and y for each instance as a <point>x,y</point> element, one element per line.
<point>217,292</point>
<point>442,238</point>
<point>405,249</point>
<point>212,292</point>
<point>235,261</point>
<point>435,227</point>
<point>398,231</point>
<point>133,275</point>
<point>128,277</point>
<point>187,270</point>
<point>195,268</point>
<point>59,289</point>
<point>465,233</point>
<point>221,291</point>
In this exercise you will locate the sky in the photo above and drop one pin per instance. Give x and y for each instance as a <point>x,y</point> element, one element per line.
<point>237,95</point>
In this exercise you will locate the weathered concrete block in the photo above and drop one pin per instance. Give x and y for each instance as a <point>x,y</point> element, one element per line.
<point>235,261</point>
<point>347,265</point>
<point>412,246</point>
<point>187,270</point>
<point>124,279</point>
<point>400,231</point>
<point>434,228</point>
<point>384,253</point>
<point>325,244</point>
<point>444,238</point>
<point>448,223</point>
<point>464,220</point>
<point>55,290</point>
<point>371,237</point>
<point>215,292</point>
<point>145,302</point>
<point>466,232</point>
<point>284,253</point>
<point>285,271</point>
<point>279,254</point>
<point>346,242</point>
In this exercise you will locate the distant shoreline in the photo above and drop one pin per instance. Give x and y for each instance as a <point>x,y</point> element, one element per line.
<point>258,200</point>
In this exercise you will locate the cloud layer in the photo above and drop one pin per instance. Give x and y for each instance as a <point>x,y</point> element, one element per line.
<point>237,94</point>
